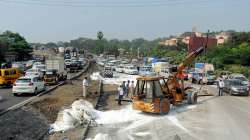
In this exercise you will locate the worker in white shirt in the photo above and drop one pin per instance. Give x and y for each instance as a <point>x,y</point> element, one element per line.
<point>131,88</point>
<point>120,93</point>
<point>221,86</point>
<point>85,85</point>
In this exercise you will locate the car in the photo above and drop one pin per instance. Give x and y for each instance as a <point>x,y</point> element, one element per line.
<point>36,72</point>
<point>130,69</point>
<point>241,77</point>
<point>28,84</point>
<point>235,87</point>
<point>67,63</point>
<point>119,69</point>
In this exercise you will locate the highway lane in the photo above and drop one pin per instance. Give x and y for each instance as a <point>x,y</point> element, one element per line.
<point>8,100</point>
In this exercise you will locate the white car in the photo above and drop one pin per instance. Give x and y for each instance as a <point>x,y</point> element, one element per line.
<point>130,70</point>
<point>119,68</point>
<point>28,84</point>
<point>42,67</point>
<point>34,72</point>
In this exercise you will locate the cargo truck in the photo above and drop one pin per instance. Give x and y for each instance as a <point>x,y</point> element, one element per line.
<point>54,71</point>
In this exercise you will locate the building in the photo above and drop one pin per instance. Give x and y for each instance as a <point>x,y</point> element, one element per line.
<point>223,38</point>
<point>197,42</point>
<point>170,42</point>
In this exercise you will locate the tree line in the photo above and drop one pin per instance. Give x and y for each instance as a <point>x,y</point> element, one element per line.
<point>15,44</point>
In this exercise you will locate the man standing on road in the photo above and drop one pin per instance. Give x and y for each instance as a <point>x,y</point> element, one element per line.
<point>120,93</point>
<point>85,84</point>
<point>131,88</point>
<point>221,86</point>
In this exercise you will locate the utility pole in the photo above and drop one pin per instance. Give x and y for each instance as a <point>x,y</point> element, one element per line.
<point>205,49</point>
<point>138,53</point>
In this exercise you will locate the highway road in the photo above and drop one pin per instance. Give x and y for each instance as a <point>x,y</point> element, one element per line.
<point>8,100</point>
<point>213,118</point>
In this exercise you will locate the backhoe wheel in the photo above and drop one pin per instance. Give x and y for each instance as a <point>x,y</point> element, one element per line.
<point>192,98</point>
<point>164,106</point>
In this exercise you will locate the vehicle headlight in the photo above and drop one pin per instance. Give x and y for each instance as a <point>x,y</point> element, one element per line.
<point>234,89</point>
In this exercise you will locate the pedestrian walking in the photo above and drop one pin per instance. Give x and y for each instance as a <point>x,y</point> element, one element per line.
<point>120,93</point>
<point>127,88</point>
<point>131,88</point>
<point>85,85</point>
<point>221,86</point>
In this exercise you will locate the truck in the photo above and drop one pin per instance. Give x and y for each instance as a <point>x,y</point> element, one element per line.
<point>54,71</point>
<point>204,73</point>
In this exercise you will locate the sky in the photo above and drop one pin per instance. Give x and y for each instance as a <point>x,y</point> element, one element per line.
<point>61,20</point>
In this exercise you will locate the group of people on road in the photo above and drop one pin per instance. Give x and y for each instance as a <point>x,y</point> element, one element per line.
<point>125,89</point>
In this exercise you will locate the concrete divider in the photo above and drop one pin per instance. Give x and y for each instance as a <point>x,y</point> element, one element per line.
<point>100,91</point>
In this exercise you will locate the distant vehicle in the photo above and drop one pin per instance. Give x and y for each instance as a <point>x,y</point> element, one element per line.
<point>28,84</point>
<point>235,87</point>
<point>18,65</point>
<point>107,72</point>
<point>146,70</point>
<point>54,71</point>
<point>120,69</point>
<point>165,72</point>
<point>67,56</point>
<point>36,63</point>
<point>8,76</point>
<point>29,63</point>
<point>225,74</point>
<point>34,72</point>
<point>129,69</point>
<point>241,77</point>
<point>67,63</point>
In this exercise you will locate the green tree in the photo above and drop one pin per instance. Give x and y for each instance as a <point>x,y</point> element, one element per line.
<point>17,44</point>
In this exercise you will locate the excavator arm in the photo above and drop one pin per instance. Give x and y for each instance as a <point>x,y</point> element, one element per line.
<point>188,60</point>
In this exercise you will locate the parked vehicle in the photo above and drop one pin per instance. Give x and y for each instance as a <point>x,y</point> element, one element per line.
<point>107,72</point>
<point>54,71</point>
<point>34,72</point>
<point>120,69</point>
<point>8,76</point>
<point>28,84</point>
<point>235,87</point>
<point>129,69</point>
<point>67,63</point>
<point>146,70</point>
<point>241,77</point>
<point>165,72</point>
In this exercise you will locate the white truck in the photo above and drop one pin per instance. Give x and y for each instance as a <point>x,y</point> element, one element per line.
<point>204,73</point>
<point>54,71</point>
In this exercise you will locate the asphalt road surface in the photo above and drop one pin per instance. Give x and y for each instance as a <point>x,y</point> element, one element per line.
<point>8,100</point>
<point>213,118</point>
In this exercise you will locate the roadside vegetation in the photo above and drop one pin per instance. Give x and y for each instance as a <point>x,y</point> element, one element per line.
<point>14,44</point>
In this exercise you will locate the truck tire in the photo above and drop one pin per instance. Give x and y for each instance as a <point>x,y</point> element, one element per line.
<point>192,98</point>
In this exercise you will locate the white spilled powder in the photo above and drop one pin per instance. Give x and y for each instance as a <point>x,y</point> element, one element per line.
<point>142,125</point>
<point>116,80</point>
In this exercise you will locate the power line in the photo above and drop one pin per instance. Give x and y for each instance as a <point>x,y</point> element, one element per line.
<point>97,4</point>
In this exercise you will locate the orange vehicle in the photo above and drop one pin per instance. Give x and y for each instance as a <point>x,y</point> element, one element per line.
<point>8,76</point>
<point>155,94</point>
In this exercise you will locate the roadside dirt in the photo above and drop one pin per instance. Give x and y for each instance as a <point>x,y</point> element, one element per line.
<point>32,121</point>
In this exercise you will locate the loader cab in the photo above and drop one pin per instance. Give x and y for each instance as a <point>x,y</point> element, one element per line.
<point>148,96</point>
